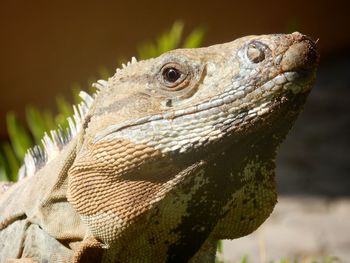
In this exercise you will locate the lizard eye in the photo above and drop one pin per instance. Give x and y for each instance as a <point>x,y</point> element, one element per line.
<point>171,75</point>
<point>174,76</point>
<point>256,52</point>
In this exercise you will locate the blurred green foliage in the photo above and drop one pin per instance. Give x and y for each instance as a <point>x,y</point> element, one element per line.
<point>38,121</point>
<point>170,40</point>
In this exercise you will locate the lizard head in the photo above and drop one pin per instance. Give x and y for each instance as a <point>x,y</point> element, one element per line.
<point>160,124</point>
<point>188,96</point>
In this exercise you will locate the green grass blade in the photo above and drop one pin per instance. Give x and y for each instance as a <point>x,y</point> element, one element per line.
<point>167,41</point>
<point>171,39</point>
<point>219,247</point>
<point>63,106</point>
<point>147,50</point>
<point>244,259</point>
<point>37,122</point>
<point>103,73</point>
<point>3,171</point>
<point>11,163</point>
<point>194,39</point>
<point>20,138</point>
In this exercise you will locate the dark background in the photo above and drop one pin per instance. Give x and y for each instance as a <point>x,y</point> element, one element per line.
<point>48,46</point>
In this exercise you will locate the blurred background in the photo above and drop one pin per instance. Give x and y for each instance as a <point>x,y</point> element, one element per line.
<point>48,48</point>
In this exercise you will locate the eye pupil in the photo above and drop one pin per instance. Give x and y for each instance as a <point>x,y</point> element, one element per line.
<point>172,74</point>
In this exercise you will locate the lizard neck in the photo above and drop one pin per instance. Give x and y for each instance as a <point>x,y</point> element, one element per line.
<point>227,194</point>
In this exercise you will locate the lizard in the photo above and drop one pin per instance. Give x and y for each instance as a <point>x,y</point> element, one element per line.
<point>170,155</point>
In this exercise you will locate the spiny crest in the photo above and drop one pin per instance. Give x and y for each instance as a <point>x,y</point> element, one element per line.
<point>53,142</point>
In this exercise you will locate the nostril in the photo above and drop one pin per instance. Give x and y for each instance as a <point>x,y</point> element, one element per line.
<point>300,56</point>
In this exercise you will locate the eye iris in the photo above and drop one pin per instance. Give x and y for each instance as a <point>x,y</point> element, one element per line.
<point>172,74</point>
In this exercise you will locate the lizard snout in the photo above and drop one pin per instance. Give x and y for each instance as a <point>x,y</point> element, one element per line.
<point>301,56</point>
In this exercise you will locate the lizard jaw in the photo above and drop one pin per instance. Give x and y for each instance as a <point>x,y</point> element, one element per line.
<point>281,84</point>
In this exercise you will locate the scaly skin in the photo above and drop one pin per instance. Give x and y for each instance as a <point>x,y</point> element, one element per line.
<point>173,154</point>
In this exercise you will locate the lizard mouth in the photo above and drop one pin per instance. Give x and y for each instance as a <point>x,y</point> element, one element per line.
<point>298,65</point>
<point>186,129</point>
<point>231,107</point>
<point>282,84</point>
